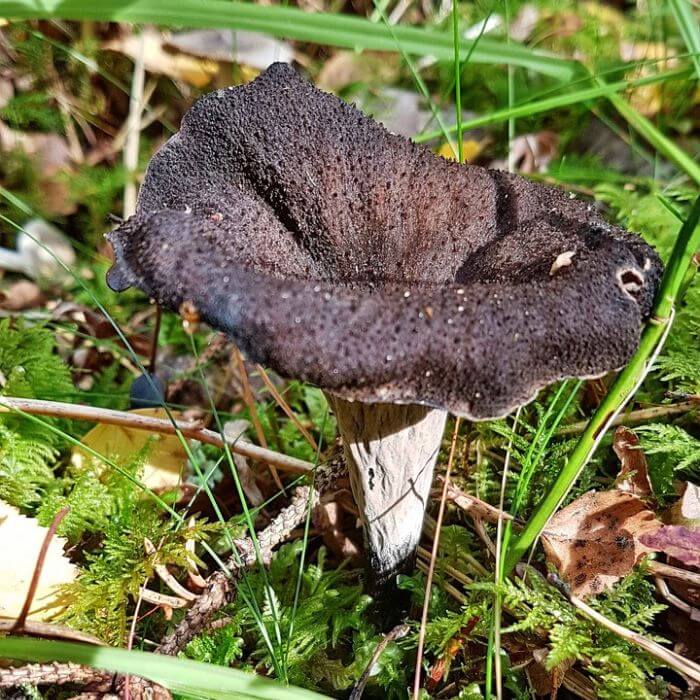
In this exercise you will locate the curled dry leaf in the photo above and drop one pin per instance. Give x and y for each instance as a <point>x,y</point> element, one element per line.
<point>21,539</point>
<point>532,153</point>
<point>633,477</point>
<point>166,458</point>
<point>677,541</point>
<point>543,680</point>
<point>597,539</point>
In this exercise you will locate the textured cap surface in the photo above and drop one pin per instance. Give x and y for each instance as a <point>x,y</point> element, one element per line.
<point>340,254</point>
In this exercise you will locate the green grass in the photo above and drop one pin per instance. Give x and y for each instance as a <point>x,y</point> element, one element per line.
<point>184,676</point>
<point>325,28</point>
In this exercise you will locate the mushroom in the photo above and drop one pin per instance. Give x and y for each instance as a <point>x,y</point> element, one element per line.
<point>402,284</point>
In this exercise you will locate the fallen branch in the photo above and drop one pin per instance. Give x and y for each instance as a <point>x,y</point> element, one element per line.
<point>639,416</point>
<point>475,507</point>
<point>667,656</point>
<point>49,630</point>
<point>137,421</point>
<point>93,679</point>
<point>53,674</point>
<point>667,571</point>
<point>221,586</point>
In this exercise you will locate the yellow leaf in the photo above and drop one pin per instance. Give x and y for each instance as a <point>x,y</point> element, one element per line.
<point>21,539</point>
<point>165,460</point>
<point>471,150</point>
<point>180,66</point>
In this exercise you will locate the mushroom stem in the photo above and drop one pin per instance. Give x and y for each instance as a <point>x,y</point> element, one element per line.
<point>391,450</point>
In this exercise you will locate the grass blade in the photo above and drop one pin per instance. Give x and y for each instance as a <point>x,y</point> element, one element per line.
<point>547,104</point>
<point>326,28</point>
<point>661,142</point>
<point>180,675</point>
<point>689,28</point>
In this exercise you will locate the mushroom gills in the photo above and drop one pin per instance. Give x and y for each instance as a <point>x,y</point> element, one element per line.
<point>391,450</point>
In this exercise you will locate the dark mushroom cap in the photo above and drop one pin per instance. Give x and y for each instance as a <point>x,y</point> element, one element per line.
<point>342,255</point>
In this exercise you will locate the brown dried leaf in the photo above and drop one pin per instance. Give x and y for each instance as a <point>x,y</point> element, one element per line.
<point>677,541</point>
<point>328,517</point>
<point>346,67</point>
<point>21,295</point>
<point>546,681</point>
<point>633,477</point>
<point>595,541</point>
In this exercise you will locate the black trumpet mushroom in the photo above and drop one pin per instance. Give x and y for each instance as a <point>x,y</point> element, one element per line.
<point>404,285</point>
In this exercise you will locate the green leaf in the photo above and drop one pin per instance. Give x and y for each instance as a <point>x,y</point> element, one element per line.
<point>179,675</point>
<point>690,30</point>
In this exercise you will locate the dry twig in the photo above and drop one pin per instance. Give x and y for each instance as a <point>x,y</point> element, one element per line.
<point>396,633</point>
<point>95,681</point>
<point>194,431</point>
<point>667,656</point>
<point>433,559</point>
<point>221,587</point>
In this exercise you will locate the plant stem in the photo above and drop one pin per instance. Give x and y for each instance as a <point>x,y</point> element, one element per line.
<point>159,425</point>
<point>621,391</point>
<point>639,416</point>
<point>458,80</point>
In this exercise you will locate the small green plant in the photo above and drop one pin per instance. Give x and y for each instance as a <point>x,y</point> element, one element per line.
<point>29,368</point>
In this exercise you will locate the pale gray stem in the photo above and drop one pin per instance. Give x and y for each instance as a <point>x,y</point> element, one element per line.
<point>391,451</point>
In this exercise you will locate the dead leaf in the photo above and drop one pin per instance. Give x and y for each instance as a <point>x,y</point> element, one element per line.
<point>471,150</point>
<point>531,153</point>
<point>686,511</point>
<point>49,152</point>
<point>158,59</point>
<point>596,540</point>
<point>249,48</point>
<point>165,461</point>
<point>650,57</point>
<point>402,112</point>
<point>232,431</point>
<point>677,541</point>
<point>21,295</point>
<point>546,681</point>
<point>21,539</point>
<point>328,517</point>
<point>633,477</point>
<point>525,22</point>
<point>344,68</point>
<point>51,158</point>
